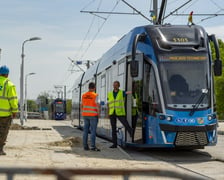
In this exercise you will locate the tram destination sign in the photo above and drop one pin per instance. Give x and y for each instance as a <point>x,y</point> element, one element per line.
<point>182,58</point>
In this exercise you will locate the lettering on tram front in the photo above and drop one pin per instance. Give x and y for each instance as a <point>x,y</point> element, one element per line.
<point>181,40</point>
<point>182,58</point>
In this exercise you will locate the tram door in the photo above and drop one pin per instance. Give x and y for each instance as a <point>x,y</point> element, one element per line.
<point>134,105</point>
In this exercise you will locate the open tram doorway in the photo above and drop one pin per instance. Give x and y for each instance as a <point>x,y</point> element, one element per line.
<point>144,103</point>
<point>134,102</point>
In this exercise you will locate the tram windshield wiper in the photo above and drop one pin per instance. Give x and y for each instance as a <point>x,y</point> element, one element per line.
<point>196,105</point>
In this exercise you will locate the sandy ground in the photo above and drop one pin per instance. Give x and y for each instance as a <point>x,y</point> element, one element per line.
<point>56,144</point>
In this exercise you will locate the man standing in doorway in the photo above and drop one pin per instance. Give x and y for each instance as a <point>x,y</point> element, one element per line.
<point>8,105</point>
<point>116,105</point>
<point>90,112</point>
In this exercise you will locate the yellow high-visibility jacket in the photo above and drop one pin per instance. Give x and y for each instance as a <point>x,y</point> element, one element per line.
<point>116,105</point>
<point>8,97</point>
<point>134,109</point>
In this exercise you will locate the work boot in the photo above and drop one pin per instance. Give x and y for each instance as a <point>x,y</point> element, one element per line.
<point>113,146</point>
<point>2,152</point>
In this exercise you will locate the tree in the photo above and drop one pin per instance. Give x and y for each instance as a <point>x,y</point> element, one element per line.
<point>32,106</point>
<point>43,101</point>
<point>219,82</point>
<point>68,106</point>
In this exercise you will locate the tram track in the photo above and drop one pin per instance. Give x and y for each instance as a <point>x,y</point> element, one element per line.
<point>195,162</point>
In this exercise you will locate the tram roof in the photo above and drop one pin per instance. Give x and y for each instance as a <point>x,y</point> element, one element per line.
<point>90,73</point>
<point>77,81</point>
<point>121,49</point>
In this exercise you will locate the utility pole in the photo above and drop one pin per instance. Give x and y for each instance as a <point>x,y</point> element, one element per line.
<point>77,63</point>
<point>155,7</point>
<point>58,89</point>
<point>161,12</point>
<point>65,93</point>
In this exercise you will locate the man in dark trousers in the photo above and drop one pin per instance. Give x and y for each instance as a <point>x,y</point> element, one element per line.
<point>90,113</point>
<point>8,105</point>
<point>116,105</point>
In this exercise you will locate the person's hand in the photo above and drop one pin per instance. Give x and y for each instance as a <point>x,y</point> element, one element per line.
<point>14,115</point>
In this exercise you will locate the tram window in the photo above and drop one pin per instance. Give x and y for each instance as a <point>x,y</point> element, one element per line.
<point>103,80</point>
<point>102,90</point>
<point>121,68</point>
<point>151,103</point>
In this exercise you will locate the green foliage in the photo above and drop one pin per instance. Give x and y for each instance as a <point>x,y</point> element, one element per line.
<point>43,101</point>
<point>219,82</point>
<point>32,106</point>
<point>68,106</point>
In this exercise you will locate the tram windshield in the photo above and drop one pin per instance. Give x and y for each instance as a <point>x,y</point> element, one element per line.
<point>185,81</point>
<point>59,107</point>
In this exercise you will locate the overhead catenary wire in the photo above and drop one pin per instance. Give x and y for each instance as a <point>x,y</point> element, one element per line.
<point>111,12</point>
<point>136,10</point>
<point>96,34</point>
<point>171,13</point>
<point>105,19</point>
<point>100,28</point>
<point>175,13</point>
<point>212,16</point>
<point>218,6</point>
<point>72,65</point>
<point>187,6</point>
<point>89,29</point>
<point>189,9</point>
<point>215,14</point>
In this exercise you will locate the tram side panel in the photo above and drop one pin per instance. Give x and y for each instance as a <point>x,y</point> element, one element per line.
<point>105,79</point>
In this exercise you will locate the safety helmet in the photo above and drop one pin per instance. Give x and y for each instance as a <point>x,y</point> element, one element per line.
<point>4,70</point>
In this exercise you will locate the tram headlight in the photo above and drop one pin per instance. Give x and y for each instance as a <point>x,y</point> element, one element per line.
<point>168,118</point>
<point>165,117</point>
<point>211,116</point>
<point>162,117</point>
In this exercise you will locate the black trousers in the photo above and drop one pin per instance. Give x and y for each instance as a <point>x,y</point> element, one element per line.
<point>5,123</point>
<point>134,121</point>
<point>113,122</point>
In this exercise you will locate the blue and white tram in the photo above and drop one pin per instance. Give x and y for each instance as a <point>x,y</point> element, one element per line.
<point>170,70</point>
<point>58,108</point>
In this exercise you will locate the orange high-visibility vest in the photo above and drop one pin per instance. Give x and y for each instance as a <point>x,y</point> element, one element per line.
<point>89,105</point>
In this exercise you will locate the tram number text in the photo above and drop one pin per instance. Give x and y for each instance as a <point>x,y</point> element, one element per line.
<point>181,40</point>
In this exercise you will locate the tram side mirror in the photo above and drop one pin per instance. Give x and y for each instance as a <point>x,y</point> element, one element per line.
<point>218,67</point>
<point>134,68</point>
<point>217,61</point>
<point>134,64</point>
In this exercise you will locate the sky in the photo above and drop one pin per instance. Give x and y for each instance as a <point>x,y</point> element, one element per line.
<point>68,34</point>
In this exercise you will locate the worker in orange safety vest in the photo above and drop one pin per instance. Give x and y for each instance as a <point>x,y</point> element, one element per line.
<point>90,112</point>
